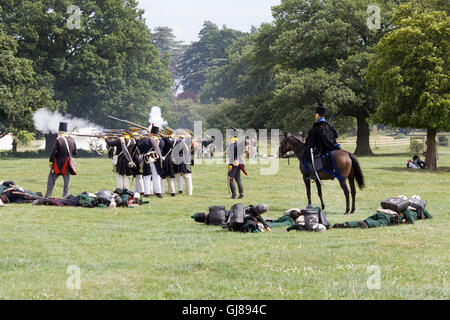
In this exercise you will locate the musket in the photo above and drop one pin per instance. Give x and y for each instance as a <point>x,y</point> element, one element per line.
<point>97,136</point>
<point>131,123</point>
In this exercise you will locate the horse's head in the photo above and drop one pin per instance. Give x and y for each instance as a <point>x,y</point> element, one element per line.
<point>285,145</point>
<point>289,143</point>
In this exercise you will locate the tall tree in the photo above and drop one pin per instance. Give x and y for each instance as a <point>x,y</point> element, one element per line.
<point>18,96</point>
<point>106,66</point>
<point>167,43</point>
<point>324,48</point>
<point>312,48</point>
<point>411,71</point>
<point>205,55</point>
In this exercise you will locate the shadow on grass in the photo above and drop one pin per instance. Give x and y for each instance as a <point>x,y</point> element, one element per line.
<point>396,169</point>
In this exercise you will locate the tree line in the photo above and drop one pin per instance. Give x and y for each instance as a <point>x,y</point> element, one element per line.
<point>109,65</point>
<point>395,73</point>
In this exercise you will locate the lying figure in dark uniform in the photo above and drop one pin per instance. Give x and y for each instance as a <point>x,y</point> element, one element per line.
<point>102,199</point>
<point>12,193</point>
<point>238,218</point>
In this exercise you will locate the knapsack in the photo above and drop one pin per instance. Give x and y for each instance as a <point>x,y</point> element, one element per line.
<point>216,216</point>
<point>236,217</point>
<point>396,204</point>
<point>313,216</point>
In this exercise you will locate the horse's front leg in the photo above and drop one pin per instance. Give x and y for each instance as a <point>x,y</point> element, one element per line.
<point>307,182</point>
<point>319,192</point>
<point>344,187</point>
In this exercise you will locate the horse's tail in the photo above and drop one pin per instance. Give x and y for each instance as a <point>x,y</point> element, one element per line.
<point>358,171</point>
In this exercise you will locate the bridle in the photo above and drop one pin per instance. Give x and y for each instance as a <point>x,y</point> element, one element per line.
<point>295,151</point>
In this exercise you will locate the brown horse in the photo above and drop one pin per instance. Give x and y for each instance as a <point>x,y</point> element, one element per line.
<point>345,162</point>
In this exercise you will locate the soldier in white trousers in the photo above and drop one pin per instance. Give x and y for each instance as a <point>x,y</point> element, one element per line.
<point>183,162</point>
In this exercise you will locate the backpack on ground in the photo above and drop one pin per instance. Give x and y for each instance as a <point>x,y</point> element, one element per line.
<point>236,217</point>
<point>216,216</point>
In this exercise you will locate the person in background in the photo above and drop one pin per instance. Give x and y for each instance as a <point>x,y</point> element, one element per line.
<point>236,164</point>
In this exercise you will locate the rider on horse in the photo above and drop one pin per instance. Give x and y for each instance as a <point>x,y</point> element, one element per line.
<point>321,138</point>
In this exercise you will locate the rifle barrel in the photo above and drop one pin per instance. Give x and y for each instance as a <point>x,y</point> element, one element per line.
<point>130,123</point>
<point>96,136</point>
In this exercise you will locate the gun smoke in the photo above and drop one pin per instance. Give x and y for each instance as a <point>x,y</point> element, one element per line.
<point>156,117</point>
<point>48,122</point>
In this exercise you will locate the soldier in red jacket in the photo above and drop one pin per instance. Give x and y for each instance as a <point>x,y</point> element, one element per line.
<point>61,161</point>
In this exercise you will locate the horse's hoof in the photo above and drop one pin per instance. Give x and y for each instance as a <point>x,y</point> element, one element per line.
<point>346,212</point>
<point>323,207</point>
<point>353,211</point>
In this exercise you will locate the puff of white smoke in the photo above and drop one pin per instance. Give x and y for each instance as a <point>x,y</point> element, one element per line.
<point>156,117</point>
<point>48,122</point>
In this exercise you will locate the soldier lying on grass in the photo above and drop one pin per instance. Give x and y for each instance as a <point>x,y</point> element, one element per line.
<point>410,210</point>
<point>12,193</point>
<point>102,199</point>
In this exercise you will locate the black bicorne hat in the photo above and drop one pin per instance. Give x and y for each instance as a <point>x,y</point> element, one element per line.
<point>155,130</point>
<point>320,110</point>
<point>63,126</point>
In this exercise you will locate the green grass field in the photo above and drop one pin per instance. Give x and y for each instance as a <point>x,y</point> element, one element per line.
<point>157,252</point>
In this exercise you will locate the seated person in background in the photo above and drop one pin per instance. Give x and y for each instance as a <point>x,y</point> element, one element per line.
<point>416,163</point>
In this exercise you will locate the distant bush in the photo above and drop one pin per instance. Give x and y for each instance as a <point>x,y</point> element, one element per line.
<point>400,136</point>
<point>416,146</point>
<point>443,141</point>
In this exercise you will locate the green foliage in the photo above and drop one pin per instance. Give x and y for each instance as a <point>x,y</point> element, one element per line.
<point>19,97</point>
<point>183,113</point>
<point>205,55</point>
<point>165,40</point>
<point>313,48</point>
<point>25,136</point>
<point>443,141</point>
<point>400,136</point>
<point>411,68</point>
<point>108,66</point>
<point>416,146</point>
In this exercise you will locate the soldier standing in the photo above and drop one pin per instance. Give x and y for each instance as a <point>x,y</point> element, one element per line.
<point>124,165</point>
<point>236,164</point>
<point>61,161</point>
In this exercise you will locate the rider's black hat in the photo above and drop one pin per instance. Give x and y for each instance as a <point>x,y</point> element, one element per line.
<point>320,110</point>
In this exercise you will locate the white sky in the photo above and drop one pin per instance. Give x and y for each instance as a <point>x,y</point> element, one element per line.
<point>186,17</point>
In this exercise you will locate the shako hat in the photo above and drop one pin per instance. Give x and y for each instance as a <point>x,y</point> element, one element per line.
<point>154,130</point>
<point>63,126</point>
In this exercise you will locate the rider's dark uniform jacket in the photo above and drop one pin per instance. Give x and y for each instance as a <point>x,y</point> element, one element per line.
<point>322,138</point>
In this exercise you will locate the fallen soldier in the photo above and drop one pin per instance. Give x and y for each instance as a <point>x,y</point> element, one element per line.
<point>309,219</point>
<point>238,218</point>
<point>394,211</point>
<point>12,193</point>
<point>101,199</point>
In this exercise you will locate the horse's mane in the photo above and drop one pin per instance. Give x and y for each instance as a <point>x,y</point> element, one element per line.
<point>297,139</point>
